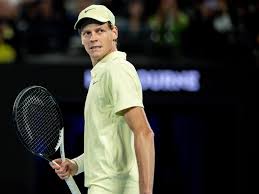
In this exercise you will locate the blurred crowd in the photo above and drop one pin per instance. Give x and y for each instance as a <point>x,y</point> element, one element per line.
<point>164,28</point>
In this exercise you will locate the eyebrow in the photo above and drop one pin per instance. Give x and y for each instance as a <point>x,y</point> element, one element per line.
<point>95,28</point>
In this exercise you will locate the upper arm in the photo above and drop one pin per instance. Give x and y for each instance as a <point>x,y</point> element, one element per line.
<point>137,120</point>
<point>124,87</point>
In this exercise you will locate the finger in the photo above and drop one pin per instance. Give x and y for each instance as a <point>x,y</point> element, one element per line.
<point>64,177</point>
<point>63,171</point>
<point>63,174</point>
<point>54,165</point>
<point>58,161</point>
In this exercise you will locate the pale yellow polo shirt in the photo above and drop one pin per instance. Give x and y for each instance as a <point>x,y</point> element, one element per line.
<point>108,141</point>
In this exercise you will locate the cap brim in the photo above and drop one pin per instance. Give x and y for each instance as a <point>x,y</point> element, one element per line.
<point>88,20</point>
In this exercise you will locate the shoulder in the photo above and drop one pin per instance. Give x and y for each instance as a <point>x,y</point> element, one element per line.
<point>119,66</point>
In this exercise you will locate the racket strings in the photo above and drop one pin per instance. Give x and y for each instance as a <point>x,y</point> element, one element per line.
<point>41,133</point>
<point>39,122</point>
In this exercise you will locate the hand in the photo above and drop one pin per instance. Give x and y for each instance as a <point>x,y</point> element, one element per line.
<point>65,168</point>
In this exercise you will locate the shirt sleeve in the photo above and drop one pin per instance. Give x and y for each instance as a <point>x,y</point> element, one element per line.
<point>80,163</point>
<point>125,86</point>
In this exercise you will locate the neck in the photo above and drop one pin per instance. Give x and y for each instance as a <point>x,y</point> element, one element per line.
<point>95,61</point>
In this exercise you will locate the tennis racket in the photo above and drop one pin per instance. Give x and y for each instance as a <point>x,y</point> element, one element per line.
<point>39,125</point>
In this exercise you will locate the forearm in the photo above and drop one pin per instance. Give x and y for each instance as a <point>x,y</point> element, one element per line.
<point>145,153</point>
<point>144,147</point>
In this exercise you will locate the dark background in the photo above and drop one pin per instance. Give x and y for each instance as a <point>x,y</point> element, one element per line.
<point>206,141</point>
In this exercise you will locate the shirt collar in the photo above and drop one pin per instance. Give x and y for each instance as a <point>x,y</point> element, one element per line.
<point>110,57</point>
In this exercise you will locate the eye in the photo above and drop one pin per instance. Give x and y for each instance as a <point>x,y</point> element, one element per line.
<point>100,30</point>
<point>86,33</point>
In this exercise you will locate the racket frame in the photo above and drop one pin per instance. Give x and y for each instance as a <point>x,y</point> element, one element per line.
<point>60,145</point>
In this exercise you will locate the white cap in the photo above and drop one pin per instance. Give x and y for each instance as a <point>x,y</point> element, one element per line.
<point>96,12</point>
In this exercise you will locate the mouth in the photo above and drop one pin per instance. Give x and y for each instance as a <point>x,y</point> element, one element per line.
<point>95,47</point>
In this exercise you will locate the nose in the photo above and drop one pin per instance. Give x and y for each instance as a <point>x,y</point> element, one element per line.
<point>93,37</point>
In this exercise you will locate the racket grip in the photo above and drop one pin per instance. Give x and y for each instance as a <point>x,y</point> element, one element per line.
<point>70,180</point>
<point>72,185</point>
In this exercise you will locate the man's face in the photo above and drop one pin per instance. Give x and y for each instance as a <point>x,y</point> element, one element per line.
<point>98,40</point>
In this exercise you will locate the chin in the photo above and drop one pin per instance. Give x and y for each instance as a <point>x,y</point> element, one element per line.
<point>97,57</point>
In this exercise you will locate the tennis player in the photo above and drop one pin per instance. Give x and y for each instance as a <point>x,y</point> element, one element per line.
<point>119,153</point>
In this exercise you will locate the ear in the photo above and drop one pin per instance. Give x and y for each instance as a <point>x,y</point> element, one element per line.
<point>115,33</point>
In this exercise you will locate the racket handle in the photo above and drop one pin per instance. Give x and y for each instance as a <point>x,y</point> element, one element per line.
<point>72,185</point>
<point>70,180</point>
